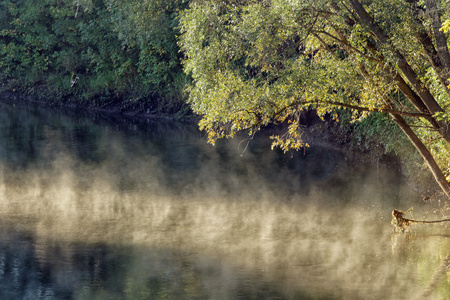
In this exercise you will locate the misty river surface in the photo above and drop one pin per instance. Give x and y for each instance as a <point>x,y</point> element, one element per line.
<point>94,209</point>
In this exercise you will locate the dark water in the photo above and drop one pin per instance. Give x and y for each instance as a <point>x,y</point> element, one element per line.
<point>94,209</point>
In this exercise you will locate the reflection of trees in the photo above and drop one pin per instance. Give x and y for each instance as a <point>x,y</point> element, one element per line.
<point>34,269</point>
<point>437,278</point>
<point>32,134</point>
<point>34,138</point>
<point>198,222</point>
<point>429,247</point>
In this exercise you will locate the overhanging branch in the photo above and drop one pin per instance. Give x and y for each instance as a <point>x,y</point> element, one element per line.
<point>345,44</point>
<point>360,108</point>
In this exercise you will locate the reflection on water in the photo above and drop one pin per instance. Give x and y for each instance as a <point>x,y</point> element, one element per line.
<point>150,211</point>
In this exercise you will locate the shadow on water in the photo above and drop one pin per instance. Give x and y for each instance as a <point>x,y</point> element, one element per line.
<point>31,268</point>
<point>147,210</point>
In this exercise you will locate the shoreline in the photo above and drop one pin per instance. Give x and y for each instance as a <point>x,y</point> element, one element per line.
<point>137,108</point>
<point>316,132</point>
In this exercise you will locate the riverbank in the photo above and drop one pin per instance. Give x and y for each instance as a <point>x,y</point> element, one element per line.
<point>125,105</point>
<point>316,132</point>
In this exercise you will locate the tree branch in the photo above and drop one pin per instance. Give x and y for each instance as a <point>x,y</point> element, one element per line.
<point>401,62</point>
<point>439,36</point>
<point>345,44</point>
<point>440,63</point>
<point>374,109</point>
<point>354,107</point>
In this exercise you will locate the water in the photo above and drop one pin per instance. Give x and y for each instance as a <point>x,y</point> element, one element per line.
<point>94,209</point>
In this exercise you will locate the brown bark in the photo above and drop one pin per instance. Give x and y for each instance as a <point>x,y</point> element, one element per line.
<point>402,64</point>
<point>409,93</point>
<point>439,36</point>
<point>425,153</point>
<point>424,94</point>
<point>441,126</point>
<point>423,150</point>
<point>438,62</point>
<point>417,99</point>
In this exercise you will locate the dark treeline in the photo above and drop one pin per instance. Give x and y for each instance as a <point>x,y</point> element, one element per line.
<point>93,50</point>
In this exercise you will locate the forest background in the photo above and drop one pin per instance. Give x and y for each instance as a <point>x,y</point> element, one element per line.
<point>376,70</point>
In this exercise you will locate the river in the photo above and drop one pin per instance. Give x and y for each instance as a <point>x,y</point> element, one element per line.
<point>94,208</point>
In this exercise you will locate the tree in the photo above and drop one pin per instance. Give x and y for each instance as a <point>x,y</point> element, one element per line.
<point>260,62</point>
<point>123,49</point>
<point>147,30</point>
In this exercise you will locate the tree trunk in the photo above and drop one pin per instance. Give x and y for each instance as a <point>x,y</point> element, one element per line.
<point>403,65</point>
<point>425,153</point>
<point>423,150</point>
<point>440,62</point>
<point>419,96</point>
<point>439,36</point>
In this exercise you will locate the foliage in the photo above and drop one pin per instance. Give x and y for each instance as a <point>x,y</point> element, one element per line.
<point>121,48</point>
<point>260,62</point>
<point>248,63</point>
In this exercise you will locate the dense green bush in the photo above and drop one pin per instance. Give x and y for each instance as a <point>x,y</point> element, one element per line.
<point>123,49</point>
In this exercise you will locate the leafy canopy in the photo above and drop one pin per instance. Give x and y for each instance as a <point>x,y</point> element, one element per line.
<point>257,62</point>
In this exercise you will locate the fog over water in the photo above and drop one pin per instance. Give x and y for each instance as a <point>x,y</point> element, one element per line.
<point>148,210</point>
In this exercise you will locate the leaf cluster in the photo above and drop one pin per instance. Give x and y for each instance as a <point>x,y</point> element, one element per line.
<point>121,48</point>
<point>259,62</point>
<point>254,63</point>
